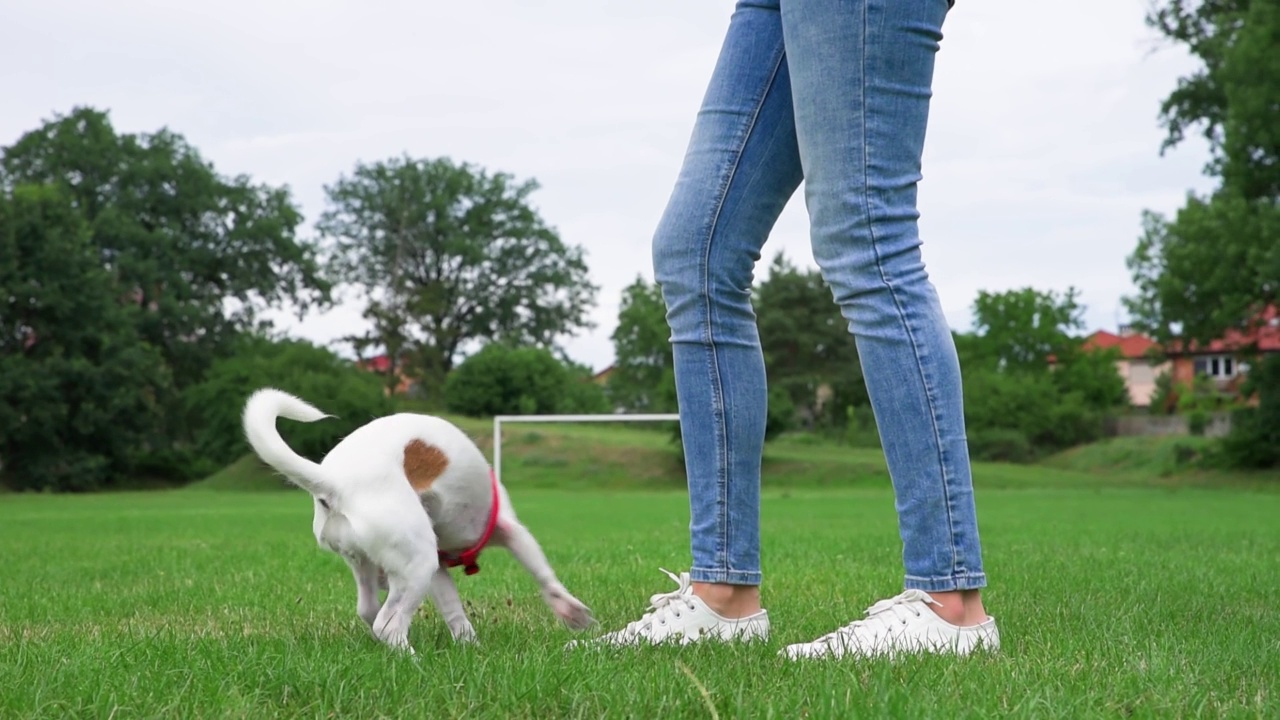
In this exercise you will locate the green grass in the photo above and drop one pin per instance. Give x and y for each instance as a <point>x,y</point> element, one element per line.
<point>1128,602</point>
<point>1157,455</point>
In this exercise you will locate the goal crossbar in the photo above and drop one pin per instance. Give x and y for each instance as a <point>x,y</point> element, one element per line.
<point>498,421</point>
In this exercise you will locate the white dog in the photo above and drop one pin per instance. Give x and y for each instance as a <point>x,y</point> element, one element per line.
<point>402,499</point>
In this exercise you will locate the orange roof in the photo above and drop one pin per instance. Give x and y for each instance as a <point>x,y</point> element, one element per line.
<point>1131,346</point>
<point>1265,333</point>
<point>377,363</point>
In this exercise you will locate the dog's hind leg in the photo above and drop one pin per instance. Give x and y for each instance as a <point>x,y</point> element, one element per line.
<point>444,593</point>
<point>367,602</point>
<point>517,538</point>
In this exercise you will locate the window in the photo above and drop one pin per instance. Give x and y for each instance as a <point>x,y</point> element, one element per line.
<point>1218,367</point>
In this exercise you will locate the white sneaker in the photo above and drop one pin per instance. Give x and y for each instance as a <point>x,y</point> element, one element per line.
<point>902,624</point>
<point>681,617</point>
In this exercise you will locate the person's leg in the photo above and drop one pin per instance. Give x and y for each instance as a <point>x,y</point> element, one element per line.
<point>861,72</point>
<point>740,169</point>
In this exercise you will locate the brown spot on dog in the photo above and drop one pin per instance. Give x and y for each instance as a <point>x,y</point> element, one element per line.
<point>423,463</point>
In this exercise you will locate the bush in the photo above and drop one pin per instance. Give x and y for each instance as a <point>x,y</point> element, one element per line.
<point>1164,401</point>
<point>315,374</point>
<point>1033,405</point>
<point>860,427</point>
<point>780,414</point>
<point>1254,440</point>
<point>1197,422</point>
<point>582,396</point>
<point>502,379</point>
<point>1000,445</point>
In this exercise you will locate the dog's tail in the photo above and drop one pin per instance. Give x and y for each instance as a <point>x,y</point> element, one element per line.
<point>259,419</point>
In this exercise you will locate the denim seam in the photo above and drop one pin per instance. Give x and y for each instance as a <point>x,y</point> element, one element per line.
<point>897,302</point>
<point>722,441</point>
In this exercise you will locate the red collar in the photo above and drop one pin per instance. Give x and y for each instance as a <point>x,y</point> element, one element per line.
<point>467,558</point>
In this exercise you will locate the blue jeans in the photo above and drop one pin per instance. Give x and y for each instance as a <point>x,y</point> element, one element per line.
<point>835,93</point>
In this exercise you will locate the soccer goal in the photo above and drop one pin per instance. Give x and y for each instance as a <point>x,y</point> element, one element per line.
<point>499,420</point>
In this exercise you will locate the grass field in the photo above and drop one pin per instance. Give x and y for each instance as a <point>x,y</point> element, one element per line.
<point>1116,595</point>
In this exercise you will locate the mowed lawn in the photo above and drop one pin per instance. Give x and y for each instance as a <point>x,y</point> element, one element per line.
<point>1134,602</point>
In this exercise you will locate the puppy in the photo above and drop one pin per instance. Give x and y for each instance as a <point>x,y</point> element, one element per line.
<point>402,499</point>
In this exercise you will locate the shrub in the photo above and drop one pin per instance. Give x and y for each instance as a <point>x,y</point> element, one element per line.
<point>583,397</point>
<point>780,414</point>
<point>1000,445</point>
<point>1164,401</point>
<point>1254,440</point>
<point>502,379</point>
<point>860,427</point>
<point>315,374</point>
<point>1032,404</point>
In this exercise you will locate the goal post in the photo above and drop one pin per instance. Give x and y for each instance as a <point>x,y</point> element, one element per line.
<point>498,421</point>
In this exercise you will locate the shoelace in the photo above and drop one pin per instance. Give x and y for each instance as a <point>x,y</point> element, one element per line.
<point>663,606</point>
<point>883,615</point>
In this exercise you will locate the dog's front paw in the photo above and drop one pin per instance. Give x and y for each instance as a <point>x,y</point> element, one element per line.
<point>571,611</point>
<point>464,634</point>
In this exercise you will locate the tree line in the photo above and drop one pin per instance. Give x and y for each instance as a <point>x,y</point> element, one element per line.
<point>134,278</point>
<point>1030,386</point>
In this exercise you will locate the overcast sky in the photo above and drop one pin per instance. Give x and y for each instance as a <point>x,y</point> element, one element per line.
<point>1043,146</point>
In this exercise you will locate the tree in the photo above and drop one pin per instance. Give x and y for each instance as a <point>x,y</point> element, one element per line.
<point>807,343</point>
<point>78,388</point>
<point>643,378</point>
<point>200,254</point>
<point>1020,330</point>
<point>1091,374</point>
<point>450,254</point>
<point>1030,386</point>
<point>1216,264</point>
<point>350,395</point>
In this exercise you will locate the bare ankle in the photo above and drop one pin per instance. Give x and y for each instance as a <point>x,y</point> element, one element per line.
<point>729,601</point>
<point>962,608</point>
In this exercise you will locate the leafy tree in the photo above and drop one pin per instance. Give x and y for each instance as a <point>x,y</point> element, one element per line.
<point>1216,263</point>
<point>1030,386</point>
<point>1092,374</point>
<point>77,388</point>
<point>316,374</point>
<point>807,343</point>
<point>1020,330</point>
<point>643,378</point>
<point>200,254</point>
<point>449,255</point>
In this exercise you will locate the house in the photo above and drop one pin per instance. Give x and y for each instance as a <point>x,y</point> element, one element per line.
<point>1142,360</point>
<point>381,364</point>
<point>1139,361</point>
<point>1220,358</point>
<point>602,377</point>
